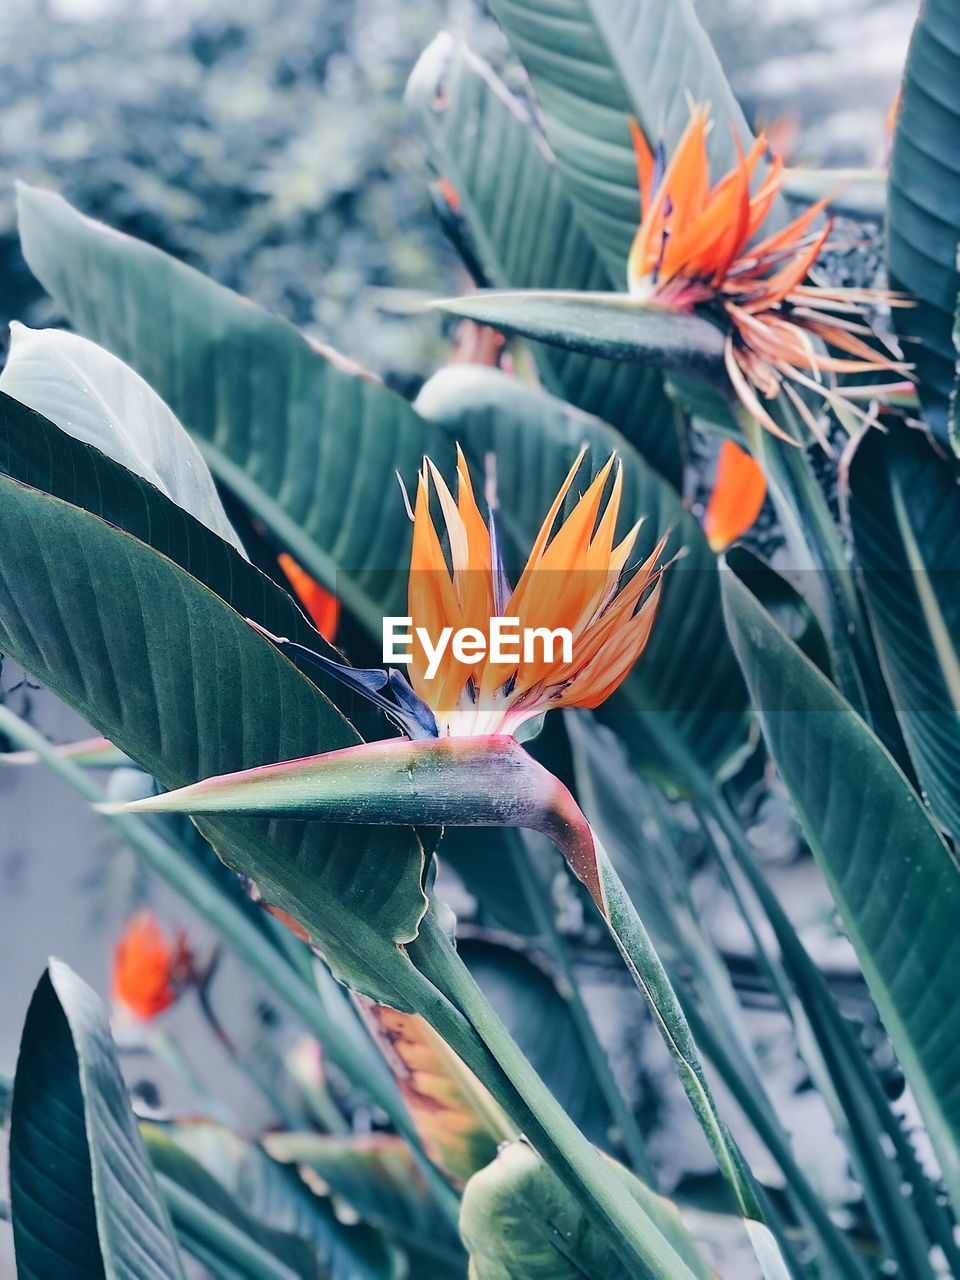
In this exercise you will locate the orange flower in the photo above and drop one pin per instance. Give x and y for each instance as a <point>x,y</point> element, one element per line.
<point>696,247</point>
<point>149,972</point>
<point>738,494</point>
<point>575,578</point>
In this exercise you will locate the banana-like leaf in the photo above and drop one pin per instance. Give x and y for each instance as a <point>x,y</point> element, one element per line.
<point>181,683</point>
<point>595,63</point>
<point>377,1178</point>
<point>306,439</point>
<point>519,1223</point>
<point>269,1202</point>
<point>84,1201</point>
<point>458,1122</point>
<point>92,395</point>
<point>923,224</point>
<point>38,454</point>
<point>611,325</point>
<point>895,883</point>
<point>686,686</point>
<point>482,143</point>
<point>905,513</point>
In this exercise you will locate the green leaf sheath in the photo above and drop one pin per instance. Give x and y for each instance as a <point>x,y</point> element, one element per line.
<point>520,1223</point>
<point>611,326</point>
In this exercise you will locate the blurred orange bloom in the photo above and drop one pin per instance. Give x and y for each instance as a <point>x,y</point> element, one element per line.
<point>697,247</point>
<point>149,971</point>
<point>322,606</point>
<point>738,495</point>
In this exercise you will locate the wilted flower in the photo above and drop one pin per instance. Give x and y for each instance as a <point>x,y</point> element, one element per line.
<point>739,490</point>
<point>149,970</point>
<point>695,248</point>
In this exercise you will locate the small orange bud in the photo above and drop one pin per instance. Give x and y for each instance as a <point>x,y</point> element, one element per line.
<point>738,495</point>
<point>149,972</point>
<point>320,604</point>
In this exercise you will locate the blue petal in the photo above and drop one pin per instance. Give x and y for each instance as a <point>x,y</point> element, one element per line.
<point>414,705</point>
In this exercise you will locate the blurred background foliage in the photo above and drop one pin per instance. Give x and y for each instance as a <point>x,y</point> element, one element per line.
<point>265,141</point>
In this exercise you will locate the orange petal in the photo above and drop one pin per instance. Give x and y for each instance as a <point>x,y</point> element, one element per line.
<point>432,604</point>
<point>645,163</point>
<point>322,606</point>
<point>148,971</point>
<point>738,495</point>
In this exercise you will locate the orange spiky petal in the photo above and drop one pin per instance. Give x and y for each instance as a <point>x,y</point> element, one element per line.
<point>739,492</point>
<point>572,579</point>
<point>694,248</point>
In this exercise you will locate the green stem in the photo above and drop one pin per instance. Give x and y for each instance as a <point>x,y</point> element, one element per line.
<point>859,1107</point>
<point>465,1020</point>
<point>537,894</point>
<point>217,1237</point>
<point>229,920</point>
<point>651,977</point>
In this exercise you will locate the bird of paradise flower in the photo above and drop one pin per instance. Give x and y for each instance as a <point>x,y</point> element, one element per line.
<point>696,248</point>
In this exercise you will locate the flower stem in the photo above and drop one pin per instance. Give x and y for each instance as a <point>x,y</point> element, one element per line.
<point>486,1047</point>
<point>537,895</point>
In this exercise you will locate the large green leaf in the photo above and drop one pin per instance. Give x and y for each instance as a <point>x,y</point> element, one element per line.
<point>923,216</point>
<point>302,436</point>
<point>35,452</point>
<point>271,1203</point>
<point>905,512</point>
<point>177,679</point>
<point>84,1201</point>
<point>895,883</point>
<point>92,395</point>
<point>481,142</point>
<point>613,326</point>
<point>519,1223</point>
<point>685,688</point>
<point>594,63</point>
